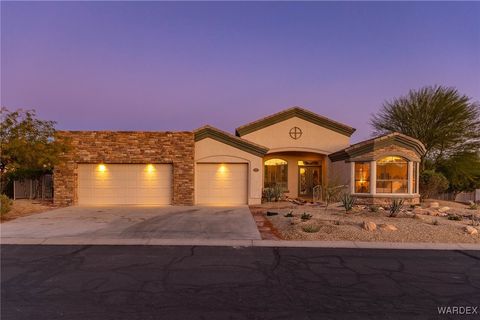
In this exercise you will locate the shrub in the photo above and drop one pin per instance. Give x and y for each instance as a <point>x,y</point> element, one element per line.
<point>289,215</point>
<point>271,213</point>
<point>475,221</point>
<point>454,217</point>
<point>5,204</point>
<point>373,208</point>
<point>395,207</point>
<point>272,194</point>
<point>311,228</point>
<point>432,183</point>
<point>306,216</point>
<point>348,202</point>
<point>472,205</point>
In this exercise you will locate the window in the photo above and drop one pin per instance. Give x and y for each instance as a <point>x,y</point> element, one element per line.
<point>362,177</point>
<point>392,175</point>
<point>276,174</point>
<point>414,177</point>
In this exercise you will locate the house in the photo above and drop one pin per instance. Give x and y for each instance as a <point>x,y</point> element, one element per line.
<point>295,150</point>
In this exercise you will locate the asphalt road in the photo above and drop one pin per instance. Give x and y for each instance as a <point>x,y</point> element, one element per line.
<point>157,282</point>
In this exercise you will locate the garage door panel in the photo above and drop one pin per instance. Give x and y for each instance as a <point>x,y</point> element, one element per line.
<point>124,184</point>
<point>221,183</point>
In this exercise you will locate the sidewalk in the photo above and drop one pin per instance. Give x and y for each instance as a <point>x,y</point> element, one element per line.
<point>241,243</point>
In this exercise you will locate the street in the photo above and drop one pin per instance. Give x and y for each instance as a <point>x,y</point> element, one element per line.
<point>185,282</point>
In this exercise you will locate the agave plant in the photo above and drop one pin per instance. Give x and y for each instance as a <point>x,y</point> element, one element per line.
<point>395,207</point>
<point>348,202</point>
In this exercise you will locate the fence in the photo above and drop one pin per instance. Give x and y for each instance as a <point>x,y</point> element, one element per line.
<point>464,197</point>
<point>41,188</point>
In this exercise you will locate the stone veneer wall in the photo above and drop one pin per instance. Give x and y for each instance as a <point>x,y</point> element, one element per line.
<point>392,150</point>
<point>177,148</point>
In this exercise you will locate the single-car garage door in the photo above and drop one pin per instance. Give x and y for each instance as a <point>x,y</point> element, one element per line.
<point>105,184</point>
<point>221,183</point>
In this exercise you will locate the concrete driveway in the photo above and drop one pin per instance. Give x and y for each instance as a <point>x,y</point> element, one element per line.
<point>136,222</point>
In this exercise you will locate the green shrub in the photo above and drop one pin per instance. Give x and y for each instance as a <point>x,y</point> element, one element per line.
<point>432,183</point>
<point>395,207</point>
<point>311,228</point>
<point>306,216</point>
<point>348,202</point>
<point>373,208</point>
<point>5,204</point>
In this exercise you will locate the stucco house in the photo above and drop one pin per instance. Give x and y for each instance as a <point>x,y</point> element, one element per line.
<point>296,150</point>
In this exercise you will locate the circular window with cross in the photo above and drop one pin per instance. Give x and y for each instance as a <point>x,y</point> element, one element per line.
<point>295,133</point>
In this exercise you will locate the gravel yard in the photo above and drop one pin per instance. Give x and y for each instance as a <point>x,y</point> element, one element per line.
<point>24,207</point>
<point>411,225</point>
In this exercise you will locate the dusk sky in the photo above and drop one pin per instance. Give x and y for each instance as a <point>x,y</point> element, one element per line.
<point>177,66</point>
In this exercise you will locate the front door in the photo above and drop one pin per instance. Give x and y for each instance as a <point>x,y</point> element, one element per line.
<point>308,178</point>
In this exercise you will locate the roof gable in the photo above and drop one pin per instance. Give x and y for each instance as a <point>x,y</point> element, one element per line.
<point>229,139</point>
<point>295,112</point>
<point>376,143</point>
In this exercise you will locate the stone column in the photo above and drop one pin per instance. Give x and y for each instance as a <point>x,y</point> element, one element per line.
<point>373,177</point>
<point>352,177</point>
<point>410,177</point>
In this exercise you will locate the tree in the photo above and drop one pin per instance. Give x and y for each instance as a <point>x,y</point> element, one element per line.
<point>445,121</point>
<point>432,183</point>
<point>27,144</point>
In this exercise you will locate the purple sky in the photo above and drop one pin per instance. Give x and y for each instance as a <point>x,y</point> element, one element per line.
<point>178,66</point>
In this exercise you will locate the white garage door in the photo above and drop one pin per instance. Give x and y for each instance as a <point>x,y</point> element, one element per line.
<point>221,184</point>
<point>105,184</point>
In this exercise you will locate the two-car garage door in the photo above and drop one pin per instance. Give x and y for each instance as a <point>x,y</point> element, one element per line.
<point>221,183</point>
<point>110,184</point>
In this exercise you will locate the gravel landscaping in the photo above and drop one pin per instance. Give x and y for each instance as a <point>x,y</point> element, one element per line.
<point>448,222</point>
<point>24,207</point>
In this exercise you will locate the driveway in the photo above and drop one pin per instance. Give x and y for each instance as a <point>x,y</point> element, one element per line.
<point>136,222</point>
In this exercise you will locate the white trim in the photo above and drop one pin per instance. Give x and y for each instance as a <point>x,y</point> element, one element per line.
<point>373,177</point>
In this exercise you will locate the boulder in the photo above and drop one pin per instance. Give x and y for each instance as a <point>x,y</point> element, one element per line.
<point>471,230</point>
<point>388,227</point>
<point>443,209</point>
<point>420,211</point>
<point>434,205</point>
<point>369,226</point>
<point>419,217</point>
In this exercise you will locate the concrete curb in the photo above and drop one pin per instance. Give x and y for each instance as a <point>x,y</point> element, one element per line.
<point>242,243</point>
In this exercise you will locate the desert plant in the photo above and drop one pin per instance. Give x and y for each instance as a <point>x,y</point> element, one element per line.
<point>473,205</point>
<point>475,221</point>
<point>432,183</point>
<point>454,217</point>
<point>271,194</point>
<point>373,208</point>
<point>332,192</point>
<point>311,228</point>
<point>348,202</point>
<point>306,216</point>
<point>289,215</point>
<point>5,204</point>
<point>395,207</point>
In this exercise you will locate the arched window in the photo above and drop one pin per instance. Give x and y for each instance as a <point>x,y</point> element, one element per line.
<point>276,174</point>
<point>392,175</point>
